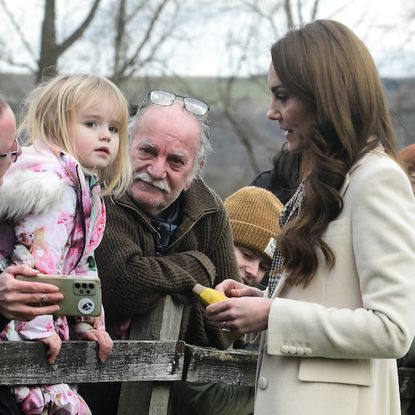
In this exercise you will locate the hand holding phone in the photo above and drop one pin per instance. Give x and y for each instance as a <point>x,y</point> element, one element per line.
<point>81,294</point>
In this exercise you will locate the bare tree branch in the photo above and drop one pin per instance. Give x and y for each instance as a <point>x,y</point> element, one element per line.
<point>23,65</point>
<point>77,33</point>
<point>119,36</point>
<point>134,11</point>
<point>288,13</point>
<point>315,9</point>
<point>242,129</point>
<point>300,11</point>
<point>125,65</point>
<point>18,30</point>
<point>148,32</point>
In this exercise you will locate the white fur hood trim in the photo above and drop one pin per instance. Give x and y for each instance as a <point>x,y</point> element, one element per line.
<point>24,192</point>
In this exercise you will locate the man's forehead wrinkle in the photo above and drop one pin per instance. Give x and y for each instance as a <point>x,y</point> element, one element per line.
<point>177,153</point>
<point>146,142</point>
<point>149,143</point>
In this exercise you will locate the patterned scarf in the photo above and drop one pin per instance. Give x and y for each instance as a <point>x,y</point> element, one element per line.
<point>291,208</point>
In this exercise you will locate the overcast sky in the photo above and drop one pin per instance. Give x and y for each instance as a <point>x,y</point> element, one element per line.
<point>380,23</point>
<point>382,27</point>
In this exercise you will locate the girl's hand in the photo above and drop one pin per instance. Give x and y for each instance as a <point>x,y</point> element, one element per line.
<point>104,342</point>
<point>54,344</point>
<point>232,288</point>
<point>244,315</point>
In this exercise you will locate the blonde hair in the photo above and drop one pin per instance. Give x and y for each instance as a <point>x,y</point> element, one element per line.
<point>50,115</point>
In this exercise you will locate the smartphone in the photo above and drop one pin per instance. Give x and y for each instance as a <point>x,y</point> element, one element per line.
<point>82,294</point>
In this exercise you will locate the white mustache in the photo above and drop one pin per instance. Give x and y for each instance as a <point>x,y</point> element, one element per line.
<point>161,184</point>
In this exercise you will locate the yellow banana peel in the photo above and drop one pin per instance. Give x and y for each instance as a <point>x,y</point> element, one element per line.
<point>208,295</point>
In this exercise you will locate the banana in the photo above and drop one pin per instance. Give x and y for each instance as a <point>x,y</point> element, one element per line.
<point>208,295</point>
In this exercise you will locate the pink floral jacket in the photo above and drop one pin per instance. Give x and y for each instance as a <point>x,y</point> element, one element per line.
<point>58,219</point>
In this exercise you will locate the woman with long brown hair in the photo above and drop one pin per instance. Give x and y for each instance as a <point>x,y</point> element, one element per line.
<point>340,302</point>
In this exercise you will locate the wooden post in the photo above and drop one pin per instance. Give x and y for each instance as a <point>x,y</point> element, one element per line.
<point>151,398</point>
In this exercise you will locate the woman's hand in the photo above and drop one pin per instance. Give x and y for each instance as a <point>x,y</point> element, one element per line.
<point>244,315</point>
<point>54,344</point>
<point>104,340</point>
<point>232,288</point>
<point>18,298</point>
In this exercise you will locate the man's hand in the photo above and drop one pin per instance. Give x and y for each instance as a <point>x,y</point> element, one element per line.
<point>54,344</point>
<point>18,298</point>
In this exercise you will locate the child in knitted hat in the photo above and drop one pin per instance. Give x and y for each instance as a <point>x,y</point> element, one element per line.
<point>254,213</point>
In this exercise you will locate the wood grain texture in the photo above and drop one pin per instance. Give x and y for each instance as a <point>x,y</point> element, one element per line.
<point>77,362</point>
<point>233,367</point>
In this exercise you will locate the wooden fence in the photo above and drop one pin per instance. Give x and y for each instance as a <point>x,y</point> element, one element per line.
<point>147,368</point>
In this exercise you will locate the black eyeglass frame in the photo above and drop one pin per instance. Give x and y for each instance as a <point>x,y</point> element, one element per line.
<point>12,154</point>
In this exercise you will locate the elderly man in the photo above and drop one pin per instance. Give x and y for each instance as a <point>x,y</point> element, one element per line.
<point>170,231</point>
<point>17,297</point>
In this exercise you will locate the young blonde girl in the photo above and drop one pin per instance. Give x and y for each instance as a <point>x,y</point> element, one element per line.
<point>78,143</point>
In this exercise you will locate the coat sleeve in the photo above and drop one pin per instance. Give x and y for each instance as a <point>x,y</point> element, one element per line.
<point>40,241</point>
<point>45,236</point>
<point>383,245</point>
<point>134,281</point>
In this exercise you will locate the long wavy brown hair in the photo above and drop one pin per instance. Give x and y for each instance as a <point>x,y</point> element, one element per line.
<point>328,67</point>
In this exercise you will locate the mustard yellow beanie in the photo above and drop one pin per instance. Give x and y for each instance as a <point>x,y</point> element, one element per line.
<point>254,213</point>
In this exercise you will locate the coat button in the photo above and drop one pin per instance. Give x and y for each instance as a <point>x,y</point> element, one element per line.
<point>285,349</point>
<point>292,350</point>
<point>308,351</point>
<point>300,351</point>
<point>262,382</point>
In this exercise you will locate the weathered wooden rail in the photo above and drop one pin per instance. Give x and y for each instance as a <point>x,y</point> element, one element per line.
<point>147,368</point>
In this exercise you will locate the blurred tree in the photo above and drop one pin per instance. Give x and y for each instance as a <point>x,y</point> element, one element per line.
<point>46,62</point>
<point>144,44</point>
<point>124,36</point>
<point>264,20</point>
<point>50,50</point>
<point>134,49</point>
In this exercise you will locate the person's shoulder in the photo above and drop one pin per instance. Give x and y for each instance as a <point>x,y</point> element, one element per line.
<point>377,163</point>
<point>116,205</point>
<point>263,179</point>
<point>376,173</point>
<point>201,198</point>
<point>24,192</point>
<point>38,158</point>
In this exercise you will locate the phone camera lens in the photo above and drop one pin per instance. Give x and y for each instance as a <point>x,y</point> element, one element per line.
<point>88,291</point>
<point>77,285</point>
<point>91,286</point>
<point>84,285</point>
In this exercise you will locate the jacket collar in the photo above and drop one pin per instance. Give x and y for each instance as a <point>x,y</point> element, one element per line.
<point>378,150</point>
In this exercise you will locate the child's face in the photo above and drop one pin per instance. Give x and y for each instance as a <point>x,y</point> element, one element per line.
<point>252,266</point>
<point>96,135</point>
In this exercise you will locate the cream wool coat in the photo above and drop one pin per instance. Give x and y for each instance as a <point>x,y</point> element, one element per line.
<point>330,348</point>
